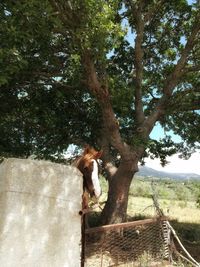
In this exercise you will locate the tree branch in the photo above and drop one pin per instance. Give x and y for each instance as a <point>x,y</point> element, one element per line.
<point>151,12</point>
<point>110,124</point>
<point>66,13</point>
<point>139,64</point>
<point>172,80</point>
<point>176,106</point>
<point>57,7</point>
<point>191,69</point>
<point>187,100</point>
<point>107,159</point>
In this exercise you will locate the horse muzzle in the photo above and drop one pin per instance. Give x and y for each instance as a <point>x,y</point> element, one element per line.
<point>96,194</point>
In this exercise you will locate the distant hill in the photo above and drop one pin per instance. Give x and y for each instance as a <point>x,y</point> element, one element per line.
<point>146,171</point>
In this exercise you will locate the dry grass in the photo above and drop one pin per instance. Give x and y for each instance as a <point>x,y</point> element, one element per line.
<point>186,213</point>
<point>93,261</point>
<point>176,210</point>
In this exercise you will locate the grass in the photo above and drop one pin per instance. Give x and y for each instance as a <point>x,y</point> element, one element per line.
<point>179,210</point>
<point>177,199</point>
<point>183,216</point>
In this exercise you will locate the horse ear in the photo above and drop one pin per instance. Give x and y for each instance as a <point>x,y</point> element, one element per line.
<point>86,150</point>
<point>98,154</point>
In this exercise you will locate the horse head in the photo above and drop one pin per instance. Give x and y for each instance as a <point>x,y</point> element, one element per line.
<point>88,165</point>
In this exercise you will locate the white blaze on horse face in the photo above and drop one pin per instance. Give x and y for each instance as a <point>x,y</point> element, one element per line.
<point>95,179</point>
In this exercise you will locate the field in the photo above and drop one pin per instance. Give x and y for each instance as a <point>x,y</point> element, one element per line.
<point>179,200</point>
<point>185,212</point>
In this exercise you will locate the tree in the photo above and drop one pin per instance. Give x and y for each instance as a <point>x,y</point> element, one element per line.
<point>41,113</point>
<point>85,67</point>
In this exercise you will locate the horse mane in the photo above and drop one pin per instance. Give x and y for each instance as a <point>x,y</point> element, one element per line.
<point>89,154</point>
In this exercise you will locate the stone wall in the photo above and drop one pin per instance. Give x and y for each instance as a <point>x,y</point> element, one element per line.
<point>39,221</point>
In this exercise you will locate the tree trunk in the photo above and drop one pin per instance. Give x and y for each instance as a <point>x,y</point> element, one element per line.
<point>115,209</point>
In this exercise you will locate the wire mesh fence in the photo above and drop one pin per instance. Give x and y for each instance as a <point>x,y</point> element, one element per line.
<point>125,244</point>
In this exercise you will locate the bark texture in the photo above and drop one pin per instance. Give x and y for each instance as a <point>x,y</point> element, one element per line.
<point>116,205</point>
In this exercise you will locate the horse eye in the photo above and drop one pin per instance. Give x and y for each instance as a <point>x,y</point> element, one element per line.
<point>86,168</point>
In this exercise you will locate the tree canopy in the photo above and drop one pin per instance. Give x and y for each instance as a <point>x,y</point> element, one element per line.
<point>99,72</point>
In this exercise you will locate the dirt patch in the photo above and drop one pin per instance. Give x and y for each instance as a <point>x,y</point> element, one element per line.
<point>107,261</point>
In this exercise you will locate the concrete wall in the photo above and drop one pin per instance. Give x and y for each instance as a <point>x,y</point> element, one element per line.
<point>39,221</point>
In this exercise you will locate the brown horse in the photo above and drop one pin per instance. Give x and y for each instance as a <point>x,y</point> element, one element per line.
<point>88,165</point>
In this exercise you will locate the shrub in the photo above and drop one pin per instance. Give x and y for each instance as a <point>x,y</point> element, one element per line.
<point>198,201</point>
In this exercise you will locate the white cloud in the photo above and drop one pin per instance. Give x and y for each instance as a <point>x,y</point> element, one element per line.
<point>177,165</point>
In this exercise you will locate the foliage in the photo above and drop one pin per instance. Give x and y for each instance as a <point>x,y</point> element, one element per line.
<point>41,73</point>
<point>198,201</point>
<point>166,189</point>
<point>40,115</point>
<point>188,232</point>
<point>197,194</point>
<point>103,73</point>
<point>169,189</point>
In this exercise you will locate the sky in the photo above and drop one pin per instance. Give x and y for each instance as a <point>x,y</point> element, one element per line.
<point>175,165</point>
<point>158,132</point>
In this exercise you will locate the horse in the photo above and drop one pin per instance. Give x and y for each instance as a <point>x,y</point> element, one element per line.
<point>88,166</point>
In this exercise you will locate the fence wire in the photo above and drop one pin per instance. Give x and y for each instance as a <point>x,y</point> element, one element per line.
<point>124,244</point>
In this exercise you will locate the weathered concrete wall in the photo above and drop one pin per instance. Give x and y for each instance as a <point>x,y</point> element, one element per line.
<point>39,221</point>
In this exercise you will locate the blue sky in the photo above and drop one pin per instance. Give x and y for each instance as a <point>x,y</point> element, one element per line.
<point>158,132</point>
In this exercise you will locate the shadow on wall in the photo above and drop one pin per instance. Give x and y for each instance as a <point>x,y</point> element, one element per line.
<point>39,204</point>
